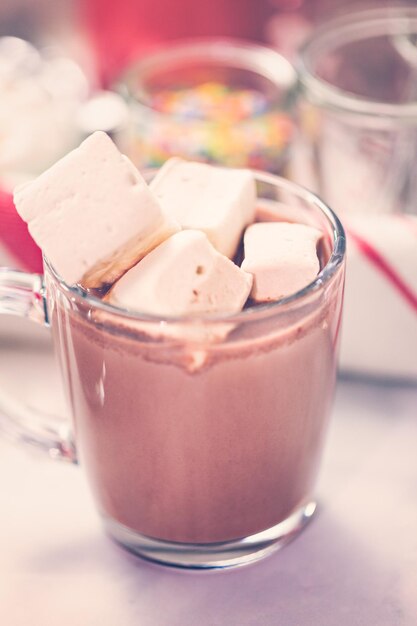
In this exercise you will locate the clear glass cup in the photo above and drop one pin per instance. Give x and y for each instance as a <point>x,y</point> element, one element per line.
<point>358,112</point>
<point>200,437</point>
<point>214,100</point>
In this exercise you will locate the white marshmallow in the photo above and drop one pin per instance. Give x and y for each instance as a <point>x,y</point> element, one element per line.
<point>182,276</point>
<point>218,201</point>
<point>282,258</point>
<point>92,213</point>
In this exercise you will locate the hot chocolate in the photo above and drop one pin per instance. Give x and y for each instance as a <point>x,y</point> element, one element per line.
<point>201,451</point>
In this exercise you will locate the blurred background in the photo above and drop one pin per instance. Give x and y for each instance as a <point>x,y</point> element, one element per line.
<point>107,38</point>
<point>237,97</point>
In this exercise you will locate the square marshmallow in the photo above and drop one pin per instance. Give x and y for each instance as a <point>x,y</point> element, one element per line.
<point>282,257</point>
<point>216,200</point>
<point>184,275</point>
<point>92,213</point>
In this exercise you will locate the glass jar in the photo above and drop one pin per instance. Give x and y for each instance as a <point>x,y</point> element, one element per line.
<point>218,101</point>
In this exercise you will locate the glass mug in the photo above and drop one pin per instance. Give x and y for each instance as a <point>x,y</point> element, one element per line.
<point>201,436</point>
<point>358,112</point>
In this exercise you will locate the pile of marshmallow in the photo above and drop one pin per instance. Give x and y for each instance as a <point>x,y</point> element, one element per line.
<point>41,93</point>
<point>167,248</point>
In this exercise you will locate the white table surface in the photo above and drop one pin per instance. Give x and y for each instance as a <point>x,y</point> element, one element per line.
<point>356,564</point>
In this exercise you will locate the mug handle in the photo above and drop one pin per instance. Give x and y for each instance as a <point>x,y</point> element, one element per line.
<point>23,294</point>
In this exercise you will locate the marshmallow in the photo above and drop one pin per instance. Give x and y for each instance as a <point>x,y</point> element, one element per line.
<point>92,213</point>
<point>39,99</point>
<point>282,258</point>
<point>183,275</point>
<point>218,201</point>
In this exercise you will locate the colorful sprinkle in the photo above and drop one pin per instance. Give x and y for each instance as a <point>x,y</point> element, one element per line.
<point>214,123</point>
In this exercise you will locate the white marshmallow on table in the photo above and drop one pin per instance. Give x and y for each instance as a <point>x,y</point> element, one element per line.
<point>216,200</point>
<point>379,331</point>
<point>92,213</point>
<point>282,257</point>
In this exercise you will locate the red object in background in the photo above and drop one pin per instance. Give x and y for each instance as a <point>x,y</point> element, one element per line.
<point>15,236</point>
<point>122,30</point>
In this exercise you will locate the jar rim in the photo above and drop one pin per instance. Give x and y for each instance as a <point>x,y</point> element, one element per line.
<point>397,22</point>
<point>236,53</point>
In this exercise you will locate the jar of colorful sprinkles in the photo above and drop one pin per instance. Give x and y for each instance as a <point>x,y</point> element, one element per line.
<point>219,101</point>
